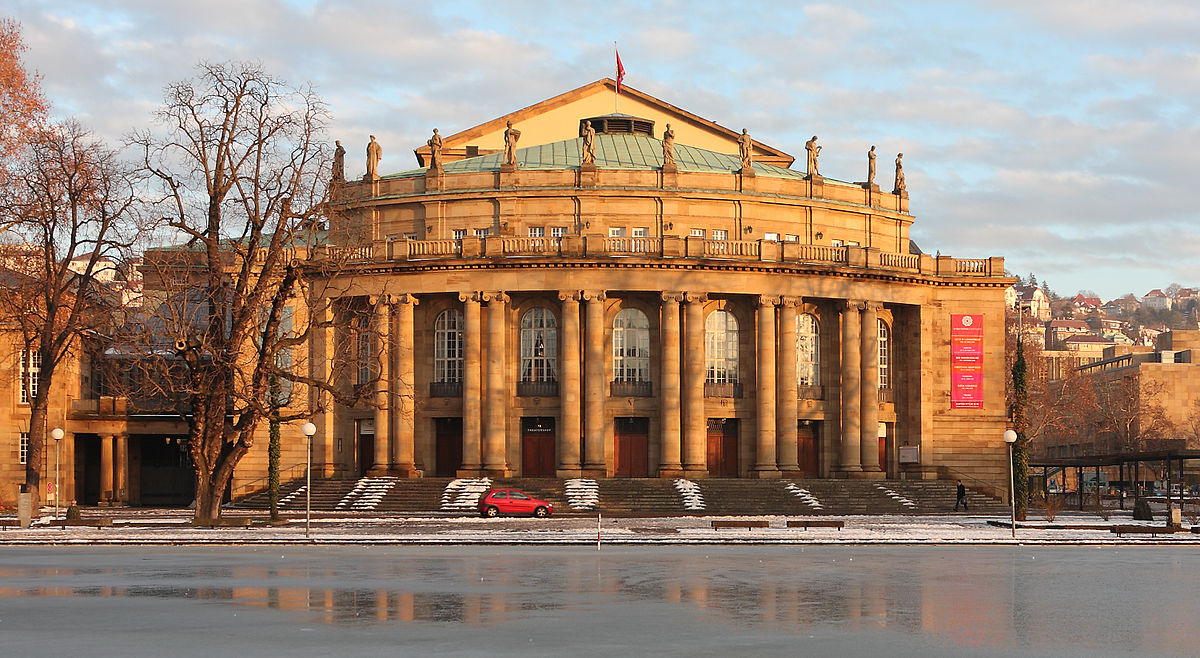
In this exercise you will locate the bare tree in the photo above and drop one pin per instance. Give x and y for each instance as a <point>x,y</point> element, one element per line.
<point>67,211</point>
<point>243,183</point>
<point>1127,411</point>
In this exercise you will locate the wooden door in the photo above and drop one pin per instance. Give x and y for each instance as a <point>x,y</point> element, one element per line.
<point>723,447</point>
<point>883,463</point>
<point>448,446</point>
<point>633,447</point>
<point>537,447</point>
<point>366,445</point>
<point>807,448</point>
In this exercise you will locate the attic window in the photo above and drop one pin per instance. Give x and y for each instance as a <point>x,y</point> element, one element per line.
<point>620,124</point>
<point>472,150</point>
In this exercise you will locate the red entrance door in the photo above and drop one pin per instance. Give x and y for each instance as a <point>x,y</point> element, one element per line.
<point>537,447</point>
<point>633,447</point>
<point>449,446</point>
<point>807,445</point>
<point>723,447</point>
<point>366,445</point>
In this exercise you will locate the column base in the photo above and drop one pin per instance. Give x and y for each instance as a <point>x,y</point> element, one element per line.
<point>867,475</point>
<point>568,472</point>
<point>405,471</point>
<point>766,473</point>
<point>695,472</point>
<point>498,472</point>
<point>671,472</point>
<point>793,474</point>
<point>378,471</point>
<point>472,471</point>
<point>594,472</point>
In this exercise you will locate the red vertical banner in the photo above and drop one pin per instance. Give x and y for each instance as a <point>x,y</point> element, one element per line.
<point>966,361</point>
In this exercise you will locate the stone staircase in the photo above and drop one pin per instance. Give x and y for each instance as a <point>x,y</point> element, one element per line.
<point>635,497</point>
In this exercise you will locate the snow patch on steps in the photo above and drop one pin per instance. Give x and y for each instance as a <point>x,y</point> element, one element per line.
<point>804,495</point>
<point>582,493</point>
<point>464,493</point>
<point>690,492</point>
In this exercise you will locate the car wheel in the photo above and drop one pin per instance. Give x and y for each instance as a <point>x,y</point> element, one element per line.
<point>492,511</point>
<point>541,512</point>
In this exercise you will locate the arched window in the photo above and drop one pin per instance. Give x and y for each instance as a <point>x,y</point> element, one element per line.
<point>448,346</point>
<point>721,348</point>
<point>539,346</point>
<point>885,355</point>
<point>631,346</point>
<point>808,350</point>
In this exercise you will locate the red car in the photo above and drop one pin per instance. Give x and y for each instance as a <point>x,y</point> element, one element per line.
<point>512,501</point>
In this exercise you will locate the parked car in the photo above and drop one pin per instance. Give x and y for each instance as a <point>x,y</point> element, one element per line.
<point>512,501</point>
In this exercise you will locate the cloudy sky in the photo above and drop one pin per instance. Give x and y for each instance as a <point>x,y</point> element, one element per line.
<point>1062,134</point>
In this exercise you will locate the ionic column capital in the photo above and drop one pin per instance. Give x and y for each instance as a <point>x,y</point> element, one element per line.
<point>768,300</point>
<point>671,296</point>
<point>855,305</point>
<point>494,296</point>
<point>404,298</point>
<point>872,306</point>
<point>593,295</point>
<point>569,295</point>
<point>470,296</point>
<point>695,297</point>
<point>791,302</point>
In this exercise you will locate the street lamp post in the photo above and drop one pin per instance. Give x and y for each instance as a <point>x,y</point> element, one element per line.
<point>309,430</point>
<point>57,435</point>
<point>1010,438</point>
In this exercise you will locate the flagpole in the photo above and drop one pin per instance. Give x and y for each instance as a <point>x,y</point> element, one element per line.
<point>617,97</point>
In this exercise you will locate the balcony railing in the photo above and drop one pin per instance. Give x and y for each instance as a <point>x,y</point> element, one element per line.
<point>885,395</point>
<point>445,389</point>
<point>811,392</point>
<point>722,389</point>
<point>537,389</point>
<point>631,389</point>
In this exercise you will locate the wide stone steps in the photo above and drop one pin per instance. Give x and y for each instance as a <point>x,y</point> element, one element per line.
<point>634,497</point>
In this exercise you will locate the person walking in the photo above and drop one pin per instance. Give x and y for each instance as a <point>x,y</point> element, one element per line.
<point>962,497</point>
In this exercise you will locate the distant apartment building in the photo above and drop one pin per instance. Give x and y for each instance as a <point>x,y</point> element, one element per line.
<point>1030,298</point>
<point>1058,331</point>
<point>1156,300</point>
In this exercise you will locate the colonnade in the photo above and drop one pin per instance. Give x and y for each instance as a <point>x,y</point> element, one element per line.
<point>583,392</point>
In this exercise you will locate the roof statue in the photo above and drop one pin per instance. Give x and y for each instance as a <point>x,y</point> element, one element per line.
<point>339,162</point>
<point>435,150</point>
<point>668,141</point>
<point>587,155</point>
<point>813,152</point>
<point>745,149</point>
<point>511,135</point>
<point>871,166</point>
<point>899,188</point>
<point>374,155</point>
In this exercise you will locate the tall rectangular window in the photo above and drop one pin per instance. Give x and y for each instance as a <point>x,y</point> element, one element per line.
<point>537,231</point>
<point>23,448</point>
<point>31,366</point>
<point>720,234</point>
<point>558,231</point>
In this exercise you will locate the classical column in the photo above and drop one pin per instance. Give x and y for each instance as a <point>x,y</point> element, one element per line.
<point>404,397</point>
<point>851,387</point>
<point>594,383</point>
<point>764,460</point>
<point>495,460</point>
<point>787,406</point>
<point>695,421</point>
<point>569,432</point>
<point>383,384</point>
<point>869,444</point>
<point>472,384</point>
<point>669,465</point>
<point>121,470</point>
<point>106,468</point>
<point>322,356</point>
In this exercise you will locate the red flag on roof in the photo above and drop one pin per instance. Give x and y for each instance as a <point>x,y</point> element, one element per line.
<point>620,69</point>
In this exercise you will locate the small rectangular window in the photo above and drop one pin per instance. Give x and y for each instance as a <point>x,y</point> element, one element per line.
<point>558,231</point>
<point>481,232</point>
<point>460,233</point>
<point>31,366</point>
<point>836,243</point>
<point>697,233</point>
<point>791,238</point>
<point>616,232</point>
<point>720,234</point>
<point>773,237</point>
<point>410,236</point>
<point>641,232</point>
<point>23,448</point>
<point>537,231</point>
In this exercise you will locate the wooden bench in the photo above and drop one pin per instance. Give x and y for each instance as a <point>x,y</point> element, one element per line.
<point>1152,530</point>
<point>816,523</point>
<point>95,522</point>
<point>741,524</point>
<point>222,523</point>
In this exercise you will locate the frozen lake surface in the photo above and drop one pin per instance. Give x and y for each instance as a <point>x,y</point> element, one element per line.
<point>544,600</point>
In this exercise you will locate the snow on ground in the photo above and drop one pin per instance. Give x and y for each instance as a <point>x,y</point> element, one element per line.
<point>140,526</point>
<point>582,493</point>
<point>464,493</point>
<point>690,492</point>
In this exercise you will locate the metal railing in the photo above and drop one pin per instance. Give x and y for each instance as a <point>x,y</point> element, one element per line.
<point>445,389</point>
<point>722,389</point>
<point>537,389</point>
<point>631,389</point>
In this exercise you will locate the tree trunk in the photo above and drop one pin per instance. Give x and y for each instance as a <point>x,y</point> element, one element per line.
<point>37,446</point>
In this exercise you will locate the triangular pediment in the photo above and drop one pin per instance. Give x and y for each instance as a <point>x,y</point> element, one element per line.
<point>556,119</point>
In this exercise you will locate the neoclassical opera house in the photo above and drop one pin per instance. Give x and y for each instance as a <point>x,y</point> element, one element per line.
<point>578,305</point>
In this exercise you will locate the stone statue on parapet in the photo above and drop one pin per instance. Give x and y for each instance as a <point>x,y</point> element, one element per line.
<point>746,149</point>
<point>871,166</point>
<point>668,147</point>
<point>511,135</point>
<point>339,162</point>
<point>814,152</point>
<point>374,155</point>
<point>435,150</point>
<point>588,155</point>
<point>900,187</point>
